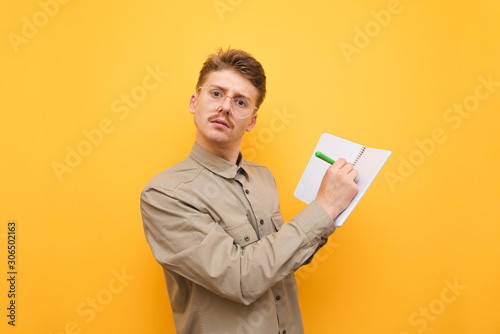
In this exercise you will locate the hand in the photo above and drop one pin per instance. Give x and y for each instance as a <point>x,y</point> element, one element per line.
<point>338,187</point>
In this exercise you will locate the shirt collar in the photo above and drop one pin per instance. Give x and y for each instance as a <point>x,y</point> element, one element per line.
<point>217,164</point>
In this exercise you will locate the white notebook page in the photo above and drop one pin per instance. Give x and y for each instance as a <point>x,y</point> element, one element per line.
<point>368,165</point>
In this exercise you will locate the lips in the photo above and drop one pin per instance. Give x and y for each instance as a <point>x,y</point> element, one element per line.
<point>221,122</point>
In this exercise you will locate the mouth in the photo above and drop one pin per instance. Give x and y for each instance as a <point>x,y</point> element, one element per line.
<point>220,123</point>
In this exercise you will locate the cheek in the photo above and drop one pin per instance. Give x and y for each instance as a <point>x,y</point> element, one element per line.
<point>197,118</point>
<point>242,127</point>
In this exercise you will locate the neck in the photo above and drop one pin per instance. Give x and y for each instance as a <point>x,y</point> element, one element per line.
<point>227,153</point>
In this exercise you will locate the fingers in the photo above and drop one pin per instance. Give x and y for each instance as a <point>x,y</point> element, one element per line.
<point>340,163</point>
<point>338,187</point>
<point>346,168</point>
<point>354,173</point>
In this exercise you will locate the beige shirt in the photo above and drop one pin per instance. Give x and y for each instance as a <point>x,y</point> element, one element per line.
<point>228,259</point>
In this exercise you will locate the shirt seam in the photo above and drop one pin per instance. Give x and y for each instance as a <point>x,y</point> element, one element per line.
<point>198,313</point>
<point>173,191</point>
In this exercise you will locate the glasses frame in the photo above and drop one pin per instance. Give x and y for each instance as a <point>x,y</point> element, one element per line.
<point>224,97</point>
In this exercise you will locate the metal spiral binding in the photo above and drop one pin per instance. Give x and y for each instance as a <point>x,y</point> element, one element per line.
<point>359,155</point>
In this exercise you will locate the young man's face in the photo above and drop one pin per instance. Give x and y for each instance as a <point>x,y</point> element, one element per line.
<point>217,127</point>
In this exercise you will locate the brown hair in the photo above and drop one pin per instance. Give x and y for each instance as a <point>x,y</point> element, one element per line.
<point>239,61</point>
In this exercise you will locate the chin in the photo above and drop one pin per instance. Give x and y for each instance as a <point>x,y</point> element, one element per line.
<point>220,142</point>
<point>217,138</point>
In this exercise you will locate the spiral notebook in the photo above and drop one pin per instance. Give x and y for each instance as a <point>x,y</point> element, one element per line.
<point>368,161</point>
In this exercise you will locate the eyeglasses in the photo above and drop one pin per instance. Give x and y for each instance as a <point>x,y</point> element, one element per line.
<point>240,106</point>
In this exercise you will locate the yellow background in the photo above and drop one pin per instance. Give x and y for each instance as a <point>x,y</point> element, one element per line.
<point>390,263</point>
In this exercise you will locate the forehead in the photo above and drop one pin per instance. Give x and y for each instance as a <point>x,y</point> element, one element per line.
<point>232,82</point>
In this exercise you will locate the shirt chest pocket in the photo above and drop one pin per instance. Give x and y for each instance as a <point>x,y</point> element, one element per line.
<point>243,233</point>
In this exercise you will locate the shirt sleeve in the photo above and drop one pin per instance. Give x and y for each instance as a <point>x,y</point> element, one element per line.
<point>186,240</point>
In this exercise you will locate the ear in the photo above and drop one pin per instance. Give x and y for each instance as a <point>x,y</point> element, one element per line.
<point>192,103</point>
<point>252,123</point>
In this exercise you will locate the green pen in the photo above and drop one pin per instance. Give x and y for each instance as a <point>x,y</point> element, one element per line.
<point>324,157</point>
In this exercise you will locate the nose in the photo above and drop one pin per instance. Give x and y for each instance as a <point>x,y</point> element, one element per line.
<point>226,105</point>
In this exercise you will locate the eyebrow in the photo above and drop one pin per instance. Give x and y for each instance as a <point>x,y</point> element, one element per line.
<point>238,94</point>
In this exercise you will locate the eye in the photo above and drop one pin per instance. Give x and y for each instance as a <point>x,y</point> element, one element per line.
<point>216,93</point>
<point>242,103</point>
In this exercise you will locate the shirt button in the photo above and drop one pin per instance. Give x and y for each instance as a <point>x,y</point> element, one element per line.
<point>278,297</point>
<point>247,238</point>
<point>284,331</point>
<point>247,191</point>
<point>262,222</point>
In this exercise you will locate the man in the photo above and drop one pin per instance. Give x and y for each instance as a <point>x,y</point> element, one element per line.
<point>213,220</point>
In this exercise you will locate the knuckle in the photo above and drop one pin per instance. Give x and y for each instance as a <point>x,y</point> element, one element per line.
<point>339,175</point>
